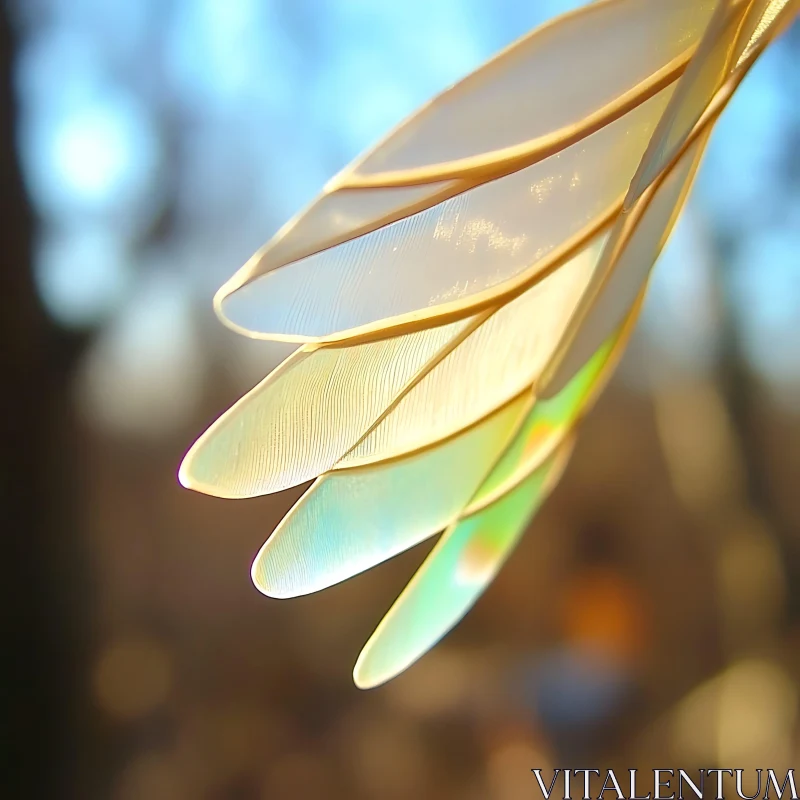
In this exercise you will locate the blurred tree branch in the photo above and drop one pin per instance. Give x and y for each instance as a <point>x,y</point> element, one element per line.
<point>741,393</point>
<point>710,428</point>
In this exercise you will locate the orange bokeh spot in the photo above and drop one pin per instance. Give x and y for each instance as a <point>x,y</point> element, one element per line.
<point>605,611</point>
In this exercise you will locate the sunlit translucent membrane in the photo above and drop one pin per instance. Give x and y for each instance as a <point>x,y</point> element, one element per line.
<point>546,426</point>
<point>457,571</point>
<point>343,214</point>
<point>495,363</point>
<point>351,520</point>
<point>301,419</point>
<point>741,36</point>
<point>468,244</point>
<point>708,69</point>
<point>503,103</point>
<point>624,267</point>
<point>314,408</point>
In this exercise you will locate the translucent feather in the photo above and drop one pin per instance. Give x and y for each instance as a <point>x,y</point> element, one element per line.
<point>318,407</point>
<point>351,520</point>
<point>306,414</point>
<point>354,518</point>
<point>344,406</point>
<point>346,267</point>
<point>462,292</point>
<point>501,358</point>
<point>454,575</point>
<point>458,253</point>
<point>644,35</point>
<point>548,424</point>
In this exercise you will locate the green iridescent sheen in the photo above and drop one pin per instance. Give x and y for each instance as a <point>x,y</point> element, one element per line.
<point>546,425</point>
<point>452,578</point>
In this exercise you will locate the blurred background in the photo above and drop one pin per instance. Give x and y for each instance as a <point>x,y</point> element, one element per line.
<point>651,616</point>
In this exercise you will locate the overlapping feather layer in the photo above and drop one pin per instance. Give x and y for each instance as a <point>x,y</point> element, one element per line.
<point>461,293</point>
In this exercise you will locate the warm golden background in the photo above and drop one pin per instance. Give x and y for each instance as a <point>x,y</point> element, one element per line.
<point>651,617</point>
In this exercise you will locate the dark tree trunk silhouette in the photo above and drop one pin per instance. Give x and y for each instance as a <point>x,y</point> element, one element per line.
<point>43,630</point>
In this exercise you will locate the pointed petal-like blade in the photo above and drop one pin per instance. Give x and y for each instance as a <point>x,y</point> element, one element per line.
<point>350,405</point>
<point>550,422</point>
<point>351,520</point>
<point>456,572</point>
<point>531,100</point>
<point>306,414</point>
<point>453,257</point>
<point>496,362</point>
<point>508,102</point>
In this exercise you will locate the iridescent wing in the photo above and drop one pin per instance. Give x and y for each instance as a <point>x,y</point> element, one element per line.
<point>463,290</point>
<point>456,572</point>
<point>375,400</point>
<point>486,528</point>
<point>352,519</point>
<point>332,404</point>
